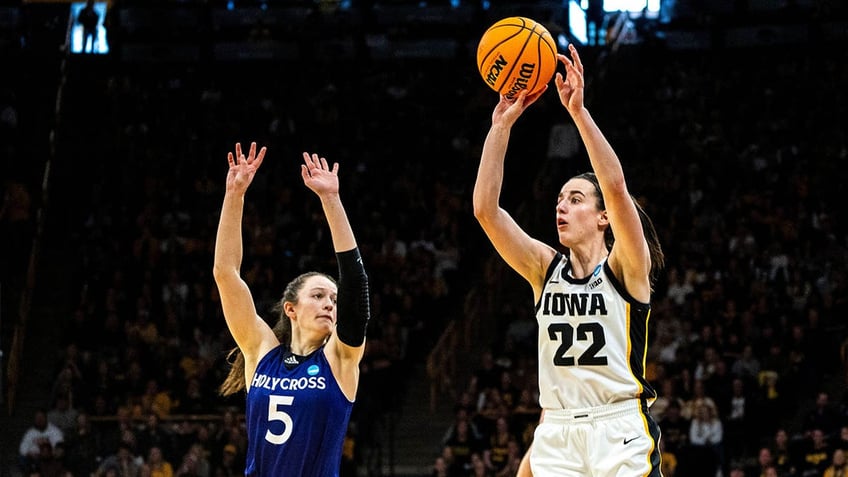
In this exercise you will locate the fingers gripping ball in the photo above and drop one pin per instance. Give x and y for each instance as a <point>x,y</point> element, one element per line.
<point>516,53</point>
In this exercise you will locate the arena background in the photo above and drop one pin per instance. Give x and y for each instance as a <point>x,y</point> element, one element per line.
<point>728,117</point>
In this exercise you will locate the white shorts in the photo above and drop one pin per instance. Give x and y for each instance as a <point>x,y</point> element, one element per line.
<point>616,440</point>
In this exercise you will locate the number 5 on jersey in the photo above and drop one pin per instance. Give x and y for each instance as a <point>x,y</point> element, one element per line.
<point>275,414</point>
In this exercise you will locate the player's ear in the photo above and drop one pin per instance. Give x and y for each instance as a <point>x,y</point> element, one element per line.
<point>603,219</point>
<point>288,309</point>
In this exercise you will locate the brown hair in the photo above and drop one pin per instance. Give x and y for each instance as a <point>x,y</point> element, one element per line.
<point>234,382</point>
<point>657,255</point>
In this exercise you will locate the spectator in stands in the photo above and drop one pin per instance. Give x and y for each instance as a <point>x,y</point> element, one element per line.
<point>229,430</point>
<point>824,416</point>
<point>118,428</point>
<point>152,433</point>
<point>837,466</point>
<point>815,454</point>
<point>679,286</point>
<point>122,463</point>
<point>440,467</point>
<point>195,463</point>
<point>156,464</point>
<point>841,440</point>
<point>229,465</point>
<point>706,439</point>
<point>462,443</point>
<point>83,447</point>
<point>478,468</point>
<point>446,464</point>
<point>515,454</point>
<point>737,471</point>
<point>667,394</point>
<point>765,460</point>
<point>487,375</point>
<point>155,399</point>
<point>40,432</point>
<point>497,447</point>
<point>746,366</point>
<point>51,461</point>
<point>193,399</point>
<point>782,455</point>
<point>675,429</point>
<point>525,416</point>
<point>507,389</point>
<point>63,415</point>
<point>739,435</point>
<point>699,396</point>
<point>491,408</point>
<point>770,401</point>
<point>462,415</point>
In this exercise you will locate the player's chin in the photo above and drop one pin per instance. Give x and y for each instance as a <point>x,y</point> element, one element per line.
<point>326,324</point>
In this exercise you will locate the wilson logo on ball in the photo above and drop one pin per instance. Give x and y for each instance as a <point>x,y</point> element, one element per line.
<point>525,74</point>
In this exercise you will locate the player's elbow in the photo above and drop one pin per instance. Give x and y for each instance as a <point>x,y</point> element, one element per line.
<point>484,213</point>
<point>481,210</point>
<point>223,273</point>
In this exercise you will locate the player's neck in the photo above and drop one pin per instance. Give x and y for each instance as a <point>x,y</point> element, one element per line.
<point>584,260</point>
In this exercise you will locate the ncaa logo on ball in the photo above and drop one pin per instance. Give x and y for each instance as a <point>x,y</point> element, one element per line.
<point>495,70</point>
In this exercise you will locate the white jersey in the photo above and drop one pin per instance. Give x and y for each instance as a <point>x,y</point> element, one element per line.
<point>592,340</point>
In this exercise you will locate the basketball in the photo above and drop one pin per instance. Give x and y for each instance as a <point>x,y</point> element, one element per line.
<point>516,53</point>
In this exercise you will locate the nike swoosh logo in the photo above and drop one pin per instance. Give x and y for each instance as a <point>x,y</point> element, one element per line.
<point>628,441</point>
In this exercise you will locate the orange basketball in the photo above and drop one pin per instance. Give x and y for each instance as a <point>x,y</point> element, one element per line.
<point>516,53</point>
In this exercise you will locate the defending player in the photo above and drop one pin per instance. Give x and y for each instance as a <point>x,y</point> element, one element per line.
<point>301,376</point>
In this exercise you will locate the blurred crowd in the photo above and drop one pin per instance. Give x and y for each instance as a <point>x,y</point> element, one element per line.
<point>735,154</point>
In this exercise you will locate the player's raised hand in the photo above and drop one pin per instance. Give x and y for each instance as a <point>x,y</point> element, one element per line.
<point>243,168</point>
<point>508,111</point>
<point>570,87</point>
<point>318,176</point>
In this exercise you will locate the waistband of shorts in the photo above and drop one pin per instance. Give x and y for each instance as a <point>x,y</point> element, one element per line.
<point>593,413</point>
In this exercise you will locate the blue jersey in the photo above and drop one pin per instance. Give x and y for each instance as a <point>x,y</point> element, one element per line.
<point>296,418</point>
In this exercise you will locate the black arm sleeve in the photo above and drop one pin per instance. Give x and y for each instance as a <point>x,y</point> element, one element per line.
<point>354,309</point>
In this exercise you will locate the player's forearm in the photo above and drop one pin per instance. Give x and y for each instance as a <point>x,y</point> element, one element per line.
<point>340,229</point>
<point>604,160</point>
<point>228,241</point>
<point>353,299</point>
<point>487,188</point>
